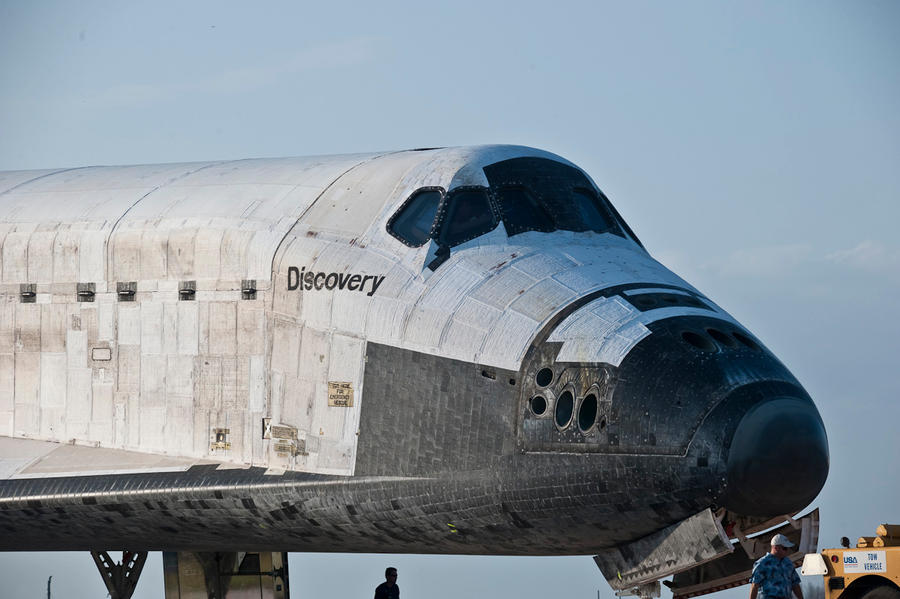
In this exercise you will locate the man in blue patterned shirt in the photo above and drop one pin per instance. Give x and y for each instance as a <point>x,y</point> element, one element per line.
<point>774,575</point>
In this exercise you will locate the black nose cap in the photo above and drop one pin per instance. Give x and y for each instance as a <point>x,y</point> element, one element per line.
<point>778,461</point>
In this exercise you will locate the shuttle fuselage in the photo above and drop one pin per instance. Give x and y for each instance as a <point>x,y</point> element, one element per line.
<point>460,350</point>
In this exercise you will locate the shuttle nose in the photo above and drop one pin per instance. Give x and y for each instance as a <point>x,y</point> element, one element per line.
<point>778,460</point>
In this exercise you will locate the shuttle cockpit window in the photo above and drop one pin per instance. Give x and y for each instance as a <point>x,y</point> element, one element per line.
<point>564,209</point>
<point>468,215</point>
<point>591,214</point>
<point>521,210</point>
<point>526,194</point>
<point>414,222</point>
<point>537,194</point>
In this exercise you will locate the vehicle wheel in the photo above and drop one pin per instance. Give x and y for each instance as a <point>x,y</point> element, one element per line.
<point>881,592</point>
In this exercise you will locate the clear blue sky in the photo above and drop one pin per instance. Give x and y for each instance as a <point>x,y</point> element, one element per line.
<point>754,147</point>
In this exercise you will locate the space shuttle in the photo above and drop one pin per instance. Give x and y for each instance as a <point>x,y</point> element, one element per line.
<point>449,351</point>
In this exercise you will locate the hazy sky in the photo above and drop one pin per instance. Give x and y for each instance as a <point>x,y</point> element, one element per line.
<point>753,147</point>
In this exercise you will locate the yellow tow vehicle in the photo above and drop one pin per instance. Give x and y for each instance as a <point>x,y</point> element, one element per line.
<point>871,570</point>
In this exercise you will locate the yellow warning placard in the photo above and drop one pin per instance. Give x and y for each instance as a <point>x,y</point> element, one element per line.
<point>340,395</point>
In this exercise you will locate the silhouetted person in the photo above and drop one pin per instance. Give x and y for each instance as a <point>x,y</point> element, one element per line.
<point>389,589</point>
<point>774,575</point>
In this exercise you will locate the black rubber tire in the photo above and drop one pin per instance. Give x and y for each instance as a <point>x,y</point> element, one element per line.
<point>881,592</point>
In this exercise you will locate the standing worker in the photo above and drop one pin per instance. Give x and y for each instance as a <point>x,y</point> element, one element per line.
<point>389,589</point>
<point>774,575</point>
